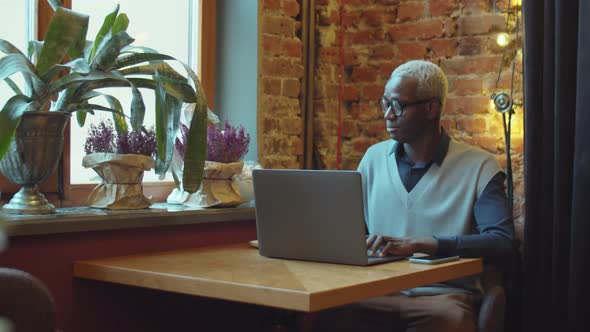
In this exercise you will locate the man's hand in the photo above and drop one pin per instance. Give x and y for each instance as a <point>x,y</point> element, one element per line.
<point>378,245</point>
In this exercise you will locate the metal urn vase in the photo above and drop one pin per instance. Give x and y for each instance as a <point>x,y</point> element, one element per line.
<point>32,157</point>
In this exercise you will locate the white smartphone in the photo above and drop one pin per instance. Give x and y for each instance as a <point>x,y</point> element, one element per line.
<point>432,259</point>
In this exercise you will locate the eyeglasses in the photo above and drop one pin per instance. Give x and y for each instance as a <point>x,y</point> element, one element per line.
<point>397,106</point>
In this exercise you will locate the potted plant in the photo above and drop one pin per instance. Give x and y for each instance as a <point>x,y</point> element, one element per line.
<point>71,69</point>
<point>119,158</point>
<point>226,146</point>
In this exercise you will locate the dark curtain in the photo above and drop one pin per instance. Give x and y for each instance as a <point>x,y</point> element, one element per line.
<point>557,165</point>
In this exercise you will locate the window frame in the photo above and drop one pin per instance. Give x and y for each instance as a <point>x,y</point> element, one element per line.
<point>76,194</point>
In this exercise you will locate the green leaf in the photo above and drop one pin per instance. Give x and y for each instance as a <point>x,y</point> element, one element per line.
<point>163,69</point>
<point>121,24</point>
<point>13,86</point>
<point>8,48</point>
<point>18,63</point>
<point>137,109</point>
<point>66,29</point>
<point>10,118</point>
<point>81,118</point>
<point>161,119</point>
<point>55,4</point>
<point>78,65</point>
<point>180,90</point>
<point>92,77</point>
<point>104,31</point>
<point>196,151</point>
<point>115,104</point>
<point>107,55</point>
<point>173,109</point>
<point>137,58</point>
<point>34,49</point>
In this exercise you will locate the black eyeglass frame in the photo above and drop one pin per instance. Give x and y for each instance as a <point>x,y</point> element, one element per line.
<point>398,110</point>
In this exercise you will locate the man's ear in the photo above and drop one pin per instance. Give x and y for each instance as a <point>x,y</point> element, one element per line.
<point>433,110</point>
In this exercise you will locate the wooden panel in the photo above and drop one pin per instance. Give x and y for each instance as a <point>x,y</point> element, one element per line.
<point>207,49</point>
<point>239,273</point>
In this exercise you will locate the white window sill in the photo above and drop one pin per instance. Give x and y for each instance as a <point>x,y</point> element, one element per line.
<point>84,219</point>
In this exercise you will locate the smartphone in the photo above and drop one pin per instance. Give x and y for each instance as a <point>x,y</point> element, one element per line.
<point>433,259</point>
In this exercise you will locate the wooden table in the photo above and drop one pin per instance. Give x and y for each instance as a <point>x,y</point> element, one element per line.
<point>238,273</point>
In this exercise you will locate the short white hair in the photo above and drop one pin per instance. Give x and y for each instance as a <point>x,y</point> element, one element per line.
<point>431,80</point>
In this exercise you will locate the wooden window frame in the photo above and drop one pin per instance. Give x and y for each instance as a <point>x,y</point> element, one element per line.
<point>75,195</point>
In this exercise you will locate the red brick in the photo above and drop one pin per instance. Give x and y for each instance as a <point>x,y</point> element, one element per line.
<point>271,4</point>
<point>481,24</point>
<point>271,86</point>
<point>487,143</point>
<point>291,88</point>
<point>361,144</point>
<point>517,144</point>
<point>281,67</point>
<point>449,124</point>
<point>475,6</point>
<point>382,52</point>
<point>471,65</point>
<point>372,17</point>
<point>472,125</point>
<point>387,68</point>
<point>350,128</point>
<point>364,37</point>
<point>364,74</point>
<point>351,20</point>
<point>350,92</point>
<point>271,45</point>
<point>291,7</point>
<point>296,145</point>
<point>373,92</point>
<point>442,7</point>
<point>351,57</point>
<point>278,25</point>
<point>292,47</point>
<point>366,111</point>
<point>467,105</point>
<point>375,128</point>
<point>412,50</point>
<point>444,47</point>
<point>410,10</point>
<point>358,3</point>
<point>329,55</point>
<point>417,30</point>
<point>465,87</point>
<point>471,45</point>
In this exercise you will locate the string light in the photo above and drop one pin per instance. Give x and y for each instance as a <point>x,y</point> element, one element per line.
<point>503,39</point>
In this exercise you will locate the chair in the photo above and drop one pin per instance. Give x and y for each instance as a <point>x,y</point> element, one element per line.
<point>493,304</point>
<point>26,302</point>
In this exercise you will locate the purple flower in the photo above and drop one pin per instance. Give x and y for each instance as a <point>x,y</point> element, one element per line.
<point>102,138</point>
<point>225,143</point>
<point>137,142</point>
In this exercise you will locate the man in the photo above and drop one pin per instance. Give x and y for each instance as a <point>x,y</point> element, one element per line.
<point>427,193</point>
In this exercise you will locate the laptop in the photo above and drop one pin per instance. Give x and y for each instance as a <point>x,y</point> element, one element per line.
<point>312,215</point>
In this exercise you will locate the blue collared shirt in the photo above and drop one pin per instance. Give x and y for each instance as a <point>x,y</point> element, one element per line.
<point>491,210</point>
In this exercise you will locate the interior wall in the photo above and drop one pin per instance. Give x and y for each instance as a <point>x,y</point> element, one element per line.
<point>237,66</point>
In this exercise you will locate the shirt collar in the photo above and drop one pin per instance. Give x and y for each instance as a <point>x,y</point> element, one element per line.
<point>440,152</point>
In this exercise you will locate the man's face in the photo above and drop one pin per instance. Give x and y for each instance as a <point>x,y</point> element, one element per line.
<point>412,123</point>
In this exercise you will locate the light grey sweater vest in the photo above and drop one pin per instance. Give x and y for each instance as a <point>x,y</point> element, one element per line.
<point>441,203</point>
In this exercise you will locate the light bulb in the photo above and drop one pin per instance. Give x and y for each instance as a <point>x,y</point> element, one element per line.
<point>517,3</point>
<point>503,39</point>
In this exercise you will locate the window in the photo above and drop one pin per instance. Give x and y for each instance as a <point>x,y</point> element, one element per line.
<point>12,16</point>
<point>167,29</point>
<point>18,18</point>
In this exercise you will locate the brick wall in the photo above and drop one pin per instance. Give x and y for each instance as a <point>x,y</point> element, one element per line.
<point>280,122</point>
<point>458,35</point>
